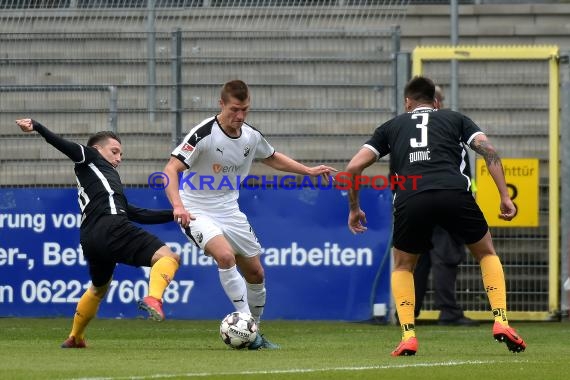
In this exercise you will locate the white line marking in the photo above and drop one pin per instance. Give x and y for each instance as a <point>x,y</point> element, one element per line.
<point>297,370</point>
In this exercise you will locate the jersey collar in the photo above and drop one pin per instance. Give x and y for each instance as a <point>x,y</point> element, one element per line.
<point>421,109</point>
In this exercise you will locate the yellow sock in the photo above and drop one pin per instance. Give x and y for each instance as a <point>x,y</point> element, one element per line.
<point>161,273</point>
<point>405,298</point>
<point>86,310</point>
<point>494,282</point>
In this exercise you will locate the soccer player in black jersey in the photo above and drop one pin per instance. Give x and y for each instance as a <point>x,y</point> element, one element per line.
<point>443,261</point>
<point>428,142</point>
<point>107,234</point>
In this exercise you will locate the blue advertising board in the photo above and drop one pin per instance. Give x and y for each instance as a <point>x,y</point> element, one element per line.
<point>315,268</point>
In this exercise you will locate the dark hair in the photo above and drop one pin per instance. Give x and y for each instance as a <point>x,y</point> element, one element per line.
<point>236,89</point>
<point>420,89</point>
<point>101,137</point>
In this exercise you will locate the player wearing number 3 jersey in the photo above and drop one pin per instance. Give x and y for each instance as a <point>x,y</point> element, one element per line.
<point>429,143</point>
<point>107,234</point>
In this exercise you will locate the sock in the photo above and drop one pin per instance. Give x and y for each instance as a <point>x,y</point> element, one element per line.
<point>234,286</point>
<point>256,300</point>
<point>161,273</point>
<point>494,282</point>
<point>86,310</point>
<point>405,298</point>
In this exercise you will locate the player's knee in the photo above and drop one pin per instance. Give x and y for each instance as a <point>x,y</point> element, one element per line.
<point>99,291</point>
<point>256,278</point>
<point>479,251</point>
<point>478,255</point>
<point>225,260</point>
<point>164,251</point>
<point>172,256</point>
<point>254,275</point>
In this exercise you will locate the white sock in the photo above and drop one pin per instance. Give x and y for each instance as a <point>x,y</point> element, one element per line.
<point>256,299</point>
<point>234,286</point>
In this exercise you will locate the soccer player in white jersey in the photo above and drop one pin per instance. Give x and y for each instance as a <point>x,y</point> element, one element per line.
<point>214,157</point>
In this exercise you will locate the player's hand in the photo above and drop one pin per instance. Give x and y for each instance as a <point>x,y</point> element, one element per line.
<point>25,125</point>
<point>357,221</point>
<point>324,171</point>
<point>182,217</point>
<point>508,209</point>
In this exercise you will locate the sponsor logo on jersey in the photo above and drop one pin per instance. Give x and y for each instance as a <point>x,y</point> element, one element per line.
<point>187,147</point>
<point>219,168</point>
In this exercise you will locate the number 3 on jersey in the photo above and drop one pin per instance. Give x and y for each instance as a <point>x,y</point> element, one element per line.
<point>414,143</point>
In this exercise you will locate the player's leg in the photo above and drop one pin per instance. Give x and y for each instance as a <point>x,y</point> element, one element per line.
<point>413,228</point>
<point>256,294</point>
<point>230,278</point>
<point>494,283</point>
<point>402,282</point>
<point>164,264</point>
<point>241,236</point>
<point>129,244</point>
<point>253,273</point>
<point>421,276</point>
<point>493,276</point>
<point>473,229</point>
<point>206,233</point>
<point>101,275</point>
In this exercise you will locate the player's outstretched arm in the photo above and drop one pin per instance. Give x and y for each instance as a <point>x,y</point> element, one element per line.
<point>356,217</point>
<point>72,150</point>
<point>483,146</point>
<point>148,216</point>
<point>179,212</point>
<point>282,162</point>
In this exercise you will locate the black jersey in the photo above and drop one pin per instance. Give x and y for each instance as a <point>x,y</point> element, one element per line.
<point>100,190</point>
<point>427,143</point>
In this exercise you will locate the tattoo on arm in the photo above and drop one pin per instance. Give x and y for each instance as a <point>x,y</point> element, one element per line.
<point>485,149</point>
<point>353,203</point>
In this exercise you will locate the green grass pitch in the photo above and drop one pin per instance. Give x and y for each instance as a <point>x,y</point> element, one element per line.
<point>142,349</point>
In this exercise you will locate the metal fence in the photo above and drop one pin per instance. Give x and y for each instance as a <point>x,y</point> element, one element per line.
<point>321,74</point>
<point>136,15</point>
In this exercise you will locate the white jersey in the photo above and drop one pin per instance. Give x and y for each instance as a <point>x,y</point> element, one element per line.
<point>216,165</point>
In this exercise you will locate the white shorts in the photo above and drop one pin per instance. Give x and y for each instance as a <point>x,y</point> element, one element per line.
<point>235,228</point>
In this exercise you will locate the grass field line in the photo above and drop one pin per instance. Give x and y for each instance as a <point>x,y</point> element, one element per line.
<point>300,370</point>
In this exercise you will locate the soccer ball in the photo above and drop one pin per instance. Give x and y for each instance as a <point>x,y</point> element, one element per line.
<point>238,330</point>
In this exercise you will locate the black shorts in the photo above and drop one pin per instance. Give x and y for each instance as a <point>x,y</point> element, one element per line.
<point>454,210</point>
<point>114,239</point>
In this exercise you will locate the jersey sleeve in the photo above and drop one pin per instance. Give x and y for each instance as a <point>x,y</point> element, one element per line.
<point>469,130</point>
<point>148,216</point>
<point>264,149</point>
<point>74,151</point>
<point>378,143</point>
<point>189,150</point>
